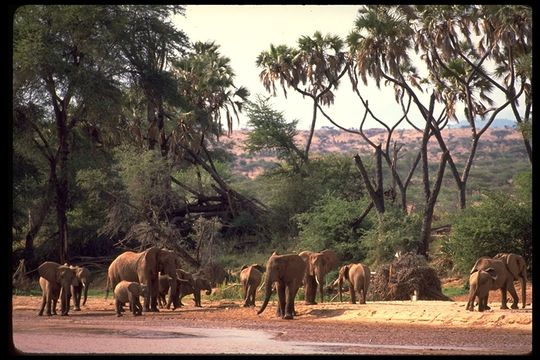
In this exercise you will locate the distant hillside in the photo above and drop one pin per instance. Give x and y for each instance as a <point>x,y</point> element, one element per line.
<point>497,123</point>
<point>494,141</point>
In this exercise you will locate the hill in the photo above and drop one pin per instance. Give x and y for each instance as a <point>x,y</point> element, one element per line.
<point>494,143</point>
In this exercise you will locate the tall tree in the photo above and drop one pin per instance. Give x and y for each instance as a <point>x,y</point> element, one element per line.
<point>61,67</point>
<point>313,69</point>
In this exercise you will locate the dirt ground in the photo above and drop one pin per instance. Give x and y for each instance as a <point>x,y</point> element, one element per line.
<point>439,327</point>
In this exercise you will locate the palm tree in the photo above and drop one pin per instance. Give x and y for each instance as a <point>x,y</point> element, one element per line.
<point>313,69</point>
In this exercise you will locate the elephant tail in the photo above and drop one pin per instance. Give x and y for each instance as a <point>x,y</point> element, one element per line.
<point>267,294</point>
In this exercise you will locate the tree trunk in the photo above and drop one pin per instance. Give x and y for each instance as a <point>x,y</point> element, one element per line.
<point>425,232</point>
<point>35,220</point>
<point>61,185</point>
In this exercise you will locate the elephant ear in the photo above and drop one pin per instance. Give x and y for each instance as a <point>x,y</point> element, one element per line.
<point>515,264</point>
<point>49,271</point>
<point>244,267</point>
<point>492,272</point>
<point>151,258</point>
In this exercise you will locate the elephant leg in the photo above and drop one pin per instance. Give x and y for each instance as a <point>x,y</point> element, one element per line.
<point>147,302</point>
<point>247,294</point>
<point>362,296</point>
<point>43,303</point>
<point>513,293</point>
<point>118,306</point>
<point>352,290</point>
<point>280,289</point>
<point>503,298</point>
<point>289,305</point>
<point>77,299</point>
<point>310,289</point>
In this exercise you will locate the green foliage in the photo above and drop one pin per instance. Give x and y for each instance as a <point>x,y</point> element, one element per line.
<point>271,132</point>
<point>329,225</point>
<point>393,231</point>
<point>499,223</point>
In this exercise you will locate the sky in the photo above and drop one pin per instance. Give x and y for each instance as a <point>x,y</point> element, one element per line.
<point>244,31</point>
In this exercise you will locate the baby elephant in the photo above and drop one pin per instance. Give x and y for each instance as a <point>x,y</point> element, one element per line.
<point>129,292</point>
<point>480,282</point>
<point>250,278</point>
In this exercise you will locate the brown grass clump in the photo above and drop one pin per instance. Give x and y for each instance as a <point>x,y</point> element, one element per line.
<point>399,280</point>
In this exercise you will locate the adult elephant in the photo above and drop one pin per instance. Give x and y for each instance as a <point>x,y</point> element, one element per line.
<point>286,272</point>
<point>358,276</point>
<point>504,281</point>
<point>83,282</point>
<point>515,264</point>
<point>250,278</point>
<point>144,268</point>
<point>55,281</point>
<point>318,264</point>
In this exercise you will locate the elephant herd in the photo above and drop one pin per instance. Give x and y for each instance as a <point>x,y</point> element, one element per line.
<point>156,272</point>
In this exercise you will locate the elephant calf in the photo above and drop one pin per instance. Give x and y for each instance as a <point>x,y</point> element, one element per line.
<point>183,279</point>
<point>480,282</point>
<point>358,276</point>
<point>250,278</point>
<point>129,292</point>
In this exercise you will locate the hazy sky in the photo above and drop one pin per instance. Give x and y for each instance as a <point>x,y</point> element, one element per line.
<point>244,31</point>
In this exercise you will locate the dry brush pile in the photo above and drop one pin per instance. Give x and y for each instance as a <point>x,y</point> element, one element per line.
<point>399,280</point>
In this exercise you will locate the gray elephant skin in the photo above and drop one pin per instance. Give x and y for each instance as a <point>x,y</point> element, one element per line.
<point>250,278</point>
<point>144,268</point>
<point>504,282</point>
<point>318,264</point>
<point>129,292</point>
<point>516,265</point>
<point>55,281</point>
<point>358,276</point>
<point>83,283</point>
<point>480,283</point>
<point>286,272</point>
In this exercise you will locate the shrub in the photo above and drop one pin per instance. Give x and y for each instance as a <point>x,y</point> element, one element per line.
<point>498,224</point>
<point>329,225</point>
<point>395,231</point>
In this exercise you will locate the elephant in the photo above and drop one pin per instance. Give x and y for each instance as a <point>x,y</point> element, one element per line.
<point>129,292</point>
<point>286,272</point>
<point>358,275</point>
<point>144,268</point>
<point>183,278</point>
<point>250,278</point>
<point>516,265</point>
<point>504,282</point>
<point>55,281</point>
<point>199,283</point>
<point>83,282</point>
<point>318,264</point>
<point>480,282</point>
<point>214,273</point>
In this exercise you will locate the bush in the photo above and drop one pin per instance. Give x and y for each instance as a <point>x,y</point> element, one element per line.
<point>328,225</point>
<point>395,231</point>
<point>497,224</point>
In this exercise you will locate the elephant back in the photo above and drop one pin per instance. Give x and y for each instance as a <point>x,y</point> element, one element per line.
<point>124,268</point>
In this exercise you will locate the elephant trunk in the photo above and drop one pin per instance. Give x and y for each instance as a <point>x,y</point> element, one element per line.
<point>208,291</point>
<point>268,292</point>
<point>64,302</point>
<point>85,285</point>
<point>320,282</point>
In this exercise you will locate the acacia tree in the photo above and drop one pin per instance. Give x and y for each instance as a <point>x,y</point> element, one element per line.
<point>61,71</point>
<point>313,69</point>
